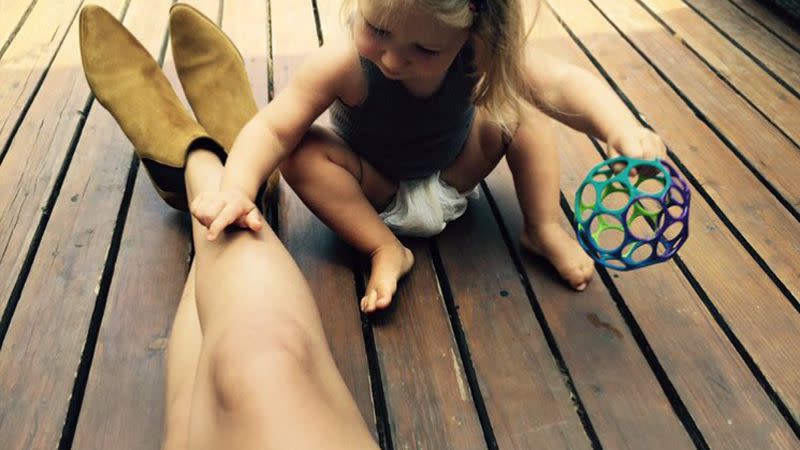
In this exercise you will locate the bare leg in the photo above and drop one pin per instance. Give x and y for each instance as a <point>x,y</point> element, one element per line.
<point>183,351</point>
<point>534,163</point>
<point>265,377</point>
<point>344,192</point>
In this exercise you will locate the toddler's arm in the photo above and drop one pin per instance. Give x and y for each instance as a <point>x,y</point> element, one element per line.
<point>267,139</point>
<point>584,102</point>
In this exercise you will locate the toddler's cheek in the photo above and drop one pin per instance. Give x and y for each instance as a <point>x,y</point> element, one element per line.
<point>366,48</point>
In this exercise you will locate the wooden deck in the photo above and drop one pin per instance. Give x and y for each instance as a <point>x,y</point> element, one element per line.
<point>485,347</point>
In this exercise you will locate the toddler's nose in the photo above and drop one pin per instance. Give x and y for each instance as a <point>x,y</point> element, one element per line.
<point>393,61</point>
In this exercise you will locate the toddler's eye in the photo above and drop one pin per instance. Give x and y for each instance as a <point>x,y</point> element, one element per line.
<point>376,31</point>
<point>426,51</point>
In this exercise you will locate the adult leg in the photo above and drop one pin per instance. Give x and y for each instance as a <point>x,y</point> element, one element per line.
<point>183,352</point>
<point>345,191</point>
<point>265,376</point>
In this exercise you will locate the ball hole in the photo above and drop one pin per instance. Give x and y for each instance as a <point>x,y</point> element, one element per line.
<point>607,232</point>
<point>661,249</point>
<point>588,200</point>
<point>650,185</point>
<point>676,211</point>
<point>673,231</point>
<point>676,196</point>
<point>615,196</point>
<point>644,217</point>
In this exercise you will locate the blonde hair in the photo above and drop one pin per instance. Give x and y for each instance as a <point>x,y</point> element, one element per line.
<point>500,30</point>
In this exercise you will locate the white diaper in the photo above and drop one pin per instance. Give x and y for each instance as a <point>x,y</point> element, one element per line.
<point>422,207</point>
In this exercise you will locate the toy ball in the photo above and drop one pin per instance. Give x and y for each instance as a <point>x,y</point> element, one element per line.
<point>631,213</point>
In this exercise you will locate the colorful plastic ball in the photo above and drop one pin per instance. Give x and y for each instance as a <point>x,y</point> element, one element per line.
<point>631,213</point>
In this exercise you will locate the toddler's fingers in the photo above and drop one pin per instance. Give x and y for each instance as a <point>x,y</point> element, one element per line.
<point>206,210</point>
<point>253,220</point>
<point>227,216</point>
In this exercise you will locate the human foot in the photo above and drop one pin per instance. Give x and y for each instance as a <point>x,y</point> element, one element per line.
<point>553,243</point>
<point>389,264</point>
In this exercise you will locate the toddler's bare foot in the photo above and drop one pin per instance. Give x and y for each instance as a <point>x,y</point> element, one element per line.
<point>389,264</point>
<point>563,252</point>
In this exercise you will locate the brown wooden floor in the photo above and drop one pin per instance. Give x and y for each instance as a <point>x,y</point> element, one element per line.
<point>485,347</point>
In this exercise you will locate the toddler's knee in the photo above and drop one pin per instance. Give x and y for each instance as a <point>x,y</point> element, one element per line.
<point>309,152</point>
<point>249,361</point>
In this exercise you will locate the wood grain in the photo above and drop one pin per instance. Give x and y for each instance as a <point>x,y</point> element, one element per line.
<point>30,56</point>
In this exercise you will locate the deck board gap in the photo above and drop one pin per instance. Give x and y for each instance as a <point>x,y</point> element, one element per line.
<point>793,23</point>
<point>36,240</point>
<point>552,345</point>
<point>17,27</point>
<point>663,379</point>
<point>93,332</point>
<point>730,39</point>
<point>740,349</point>
<point>35,91</point>
<point>382,423</point>
<point>318,22</point>
<point>687,101</point>
<point>463,347</point>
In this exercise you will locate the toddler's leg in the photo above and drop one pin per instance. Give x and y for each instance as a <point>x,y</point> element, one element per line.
<point>265,376</point>
<point>534,163</point>
<point>344,192</point>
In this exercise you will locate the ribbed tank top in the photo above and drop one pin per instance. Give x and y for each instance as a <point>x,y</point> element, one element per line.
<point>403,136</point>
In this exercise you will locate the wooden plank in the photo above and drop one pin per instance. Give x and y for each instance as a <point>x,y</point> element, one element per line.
<point>772,99</point>
<point>325,260</point>
<point>780,58</point>
<point>766,225</point>
<point>123,405</point>
<point>768,150</point>
<point>771,21</point>
<point>29,57</point>
<point>34,161</point>
<point>42,349</point>
<point>428,398</point>
<point>727,404</point>
<point>14,13</point>
<point>523,389</point>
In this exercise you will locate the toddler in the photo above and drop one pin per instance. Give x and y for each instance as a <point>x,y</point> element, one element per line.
<point>425,98</point>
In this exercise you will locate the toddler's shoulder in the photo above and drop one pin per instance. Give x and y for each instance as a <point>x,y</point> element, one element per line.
<point>335,66</point>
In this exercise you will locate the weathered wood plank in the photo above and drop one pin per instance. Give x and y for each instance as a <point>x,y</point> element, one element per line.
<point>427,395</point>
<point>43,347</point>
<point>524,391</point>
<point>774,53</point>
<point>770,20</point>
<point>772,99</point>
<point>34,161</point>
<point>123,406</point>
<point>766,225</point>
<point>769,151</point>
<point>13,12</point>
<point>325,260</point>
<point>720,392</point>
<point>29,57</point>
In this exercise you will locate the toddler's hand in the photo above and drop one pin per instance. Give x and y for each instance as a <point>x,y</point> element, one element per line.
<point>217,210</point>
<point>637,142</point>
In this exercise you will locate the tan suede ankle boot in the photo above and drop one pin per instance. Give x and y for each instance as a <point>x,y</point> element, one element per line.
<point>129,83</point>
<point>213,76</point>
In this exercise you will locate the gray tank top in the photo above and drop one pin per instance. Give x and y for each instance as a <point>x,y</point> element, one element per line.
<point>404,136</point>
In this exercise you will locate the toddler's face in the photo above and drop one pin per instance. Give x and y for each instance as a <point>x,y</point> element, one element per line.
<point>411,45</point>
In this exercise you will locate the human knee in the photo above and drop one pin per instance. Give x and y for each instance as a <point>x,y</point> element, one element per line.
<point>300,163</point>
<point>248,360</point>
